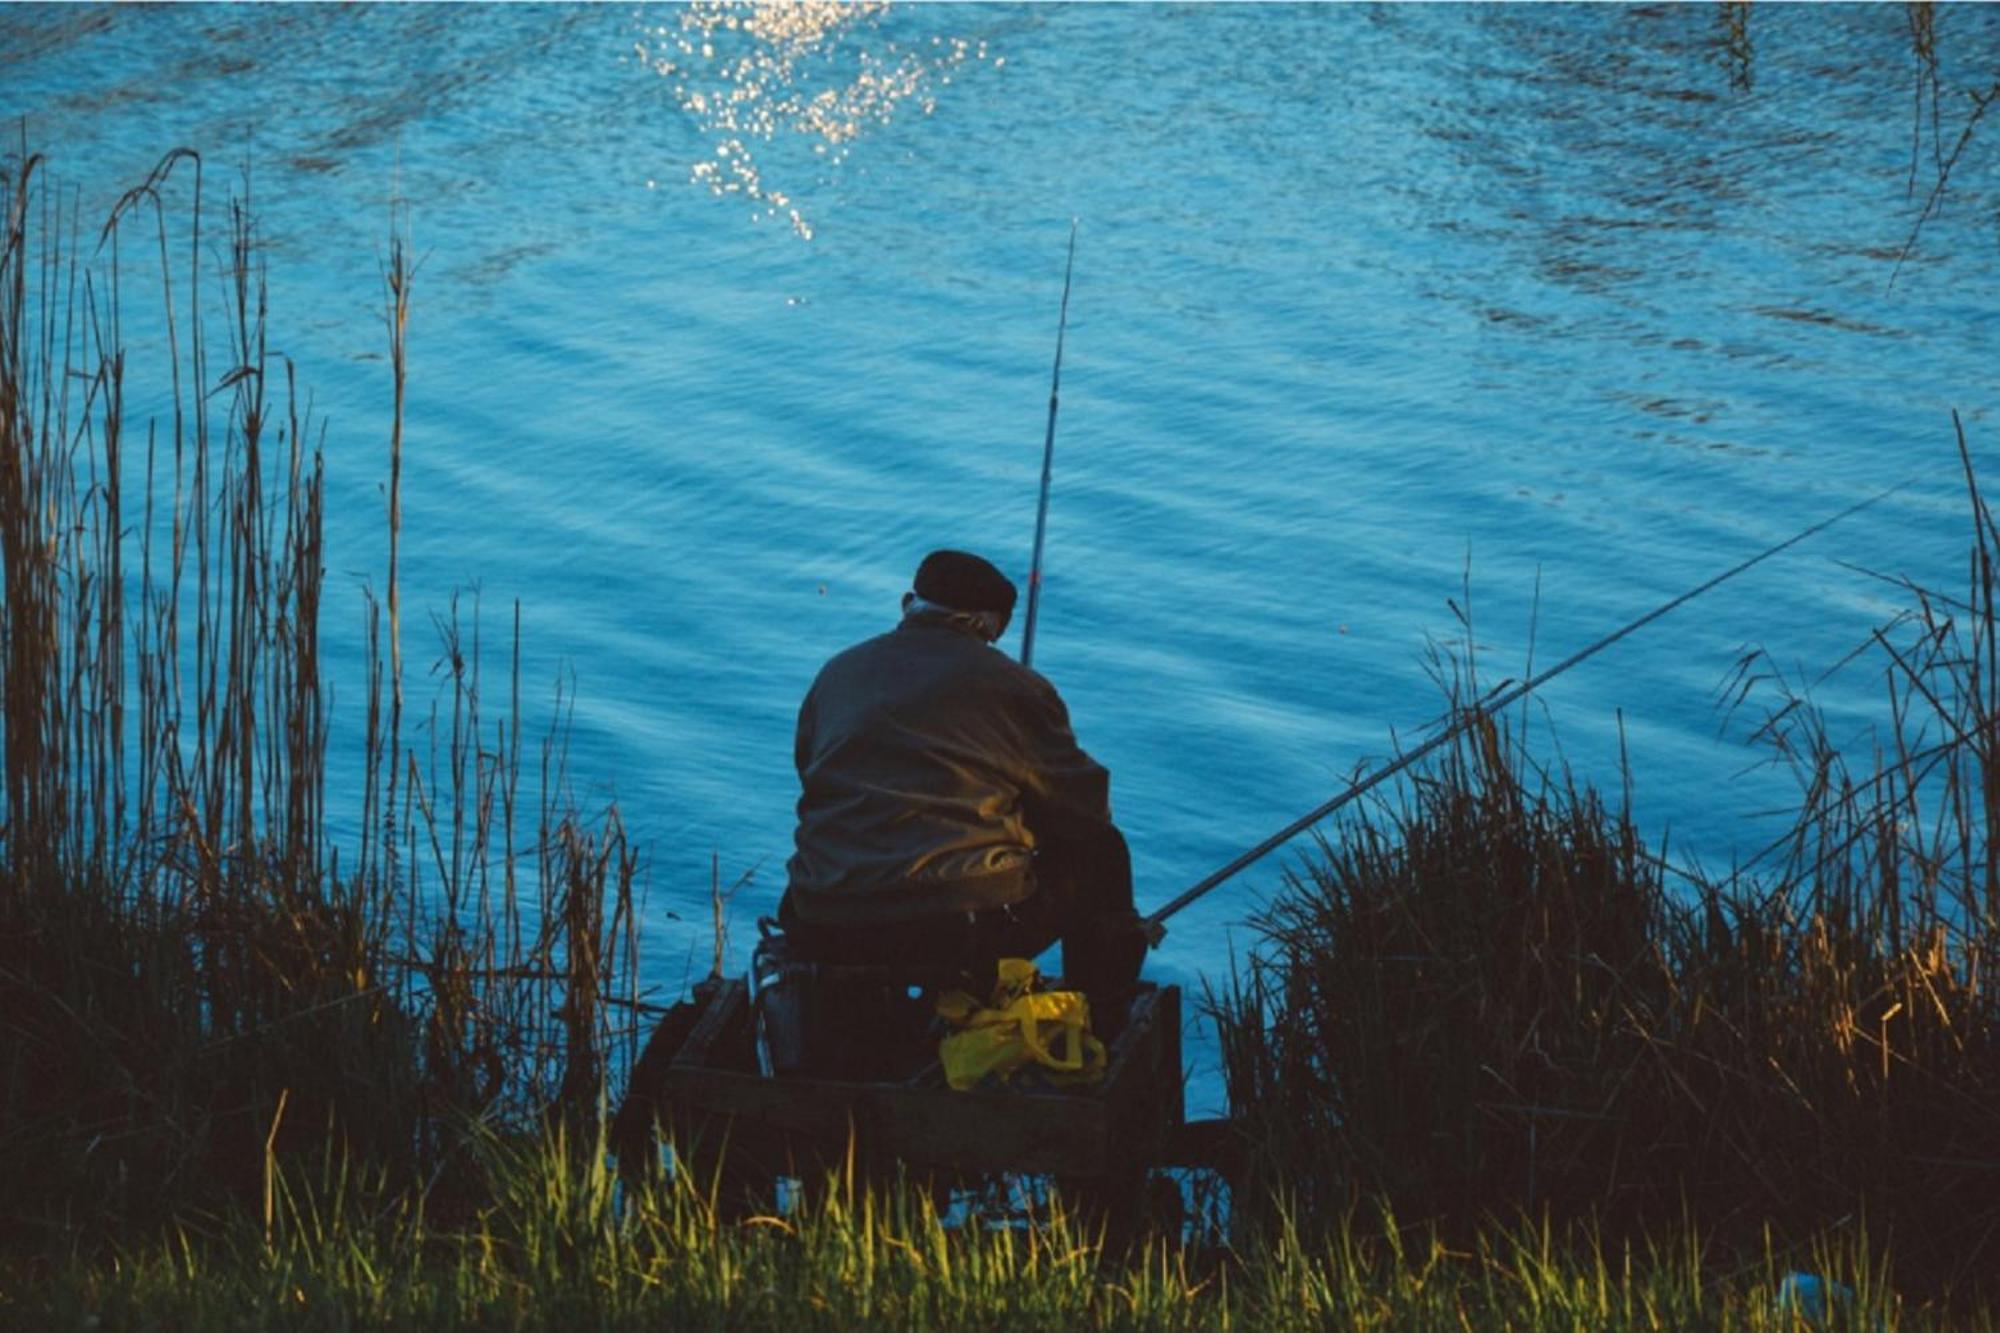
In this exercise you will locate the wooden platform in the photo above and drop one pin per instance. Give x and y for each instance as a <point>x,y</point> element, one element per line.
<point>709,1092</point>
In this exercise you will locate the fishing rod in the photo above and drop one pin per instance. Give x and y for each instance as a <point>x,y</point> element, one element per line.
<point>1048,465</point>
<point>1156,923</point>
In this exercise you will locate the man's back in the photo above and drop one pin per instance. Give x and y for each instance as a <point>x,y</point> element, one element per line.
<point>927,761</point>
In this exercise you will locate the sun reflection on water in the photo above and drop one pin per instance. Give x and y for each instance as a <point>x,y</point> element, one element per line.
<point>815,71</point>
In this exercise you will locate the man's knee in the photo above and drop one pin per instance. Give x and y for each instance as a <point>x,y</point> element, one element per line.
<point>1104,954</point>
<point>1088,868</point>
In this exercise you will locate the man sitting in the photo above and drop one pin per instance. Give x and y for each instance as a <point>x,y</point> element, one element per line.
<point>947,816</point>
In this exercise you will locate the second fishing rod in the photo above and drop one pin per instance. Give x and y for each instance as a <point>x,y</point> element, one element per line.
<point>1462,721</point>
<point>1454,727</point>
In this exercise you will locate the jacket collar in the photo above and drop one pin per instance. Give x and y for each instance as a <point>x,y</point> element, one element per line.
<point>926,616</point>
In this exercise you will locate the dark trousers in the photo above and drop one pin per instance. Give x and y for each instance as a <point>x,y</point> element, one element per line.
<point>1082,896</point>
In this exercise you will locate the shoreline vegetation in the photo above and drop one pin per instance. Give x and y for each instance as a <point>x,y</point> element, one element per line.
<point>1488,1067</point>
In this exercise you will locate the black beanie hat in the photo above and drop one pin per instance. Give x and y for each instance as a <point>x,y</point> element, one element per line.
<point>963,582</point>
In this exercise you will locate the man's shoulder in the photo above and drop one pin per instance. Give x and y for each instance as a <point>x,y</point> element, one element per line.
<point>872,646</point>
<point>886,652</point>
<point>1000,675</point>
<point>857,659</point>
<point>945,650</point>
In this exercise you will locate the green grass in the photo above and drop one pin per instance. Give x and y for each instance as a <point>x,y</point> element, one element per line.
<point>561,1245</point>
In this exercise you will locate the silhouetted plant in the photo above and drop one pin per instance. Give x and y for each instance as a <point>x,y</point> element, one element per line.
<point>189,977</point>
<point>1485,1000</point>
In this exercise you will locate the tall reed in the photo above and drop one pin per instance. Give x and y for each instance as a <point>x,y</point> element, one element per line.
<point>188,971</point>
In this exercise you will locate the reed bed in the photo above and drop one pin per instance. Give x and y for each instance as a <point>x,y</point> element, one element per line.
<point>1485,1000</point>
<point>190,974</point>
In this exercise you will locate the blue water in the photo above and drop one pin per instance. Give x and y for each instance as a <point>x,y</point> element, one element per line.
<point>1364,299</point>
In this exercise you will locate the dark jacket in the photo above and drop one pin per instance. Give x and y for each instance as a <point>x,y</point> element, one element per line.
<point>929,763</point>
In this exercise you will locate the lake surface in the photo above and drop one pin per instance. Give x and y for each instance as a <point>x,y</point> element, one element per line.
<point>724,319</point>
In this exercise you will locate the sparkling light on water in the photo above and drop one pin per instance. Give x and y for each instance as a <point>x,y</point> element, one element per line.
<point>818,72</point>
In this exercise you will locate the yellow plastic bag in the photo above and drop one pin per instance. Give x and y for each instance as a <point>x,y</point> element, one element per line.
<point>1020,1026</point>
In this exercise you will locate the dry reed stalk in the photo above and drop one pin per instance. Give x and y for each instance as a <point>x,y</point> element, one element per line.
<point>179,949</point>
